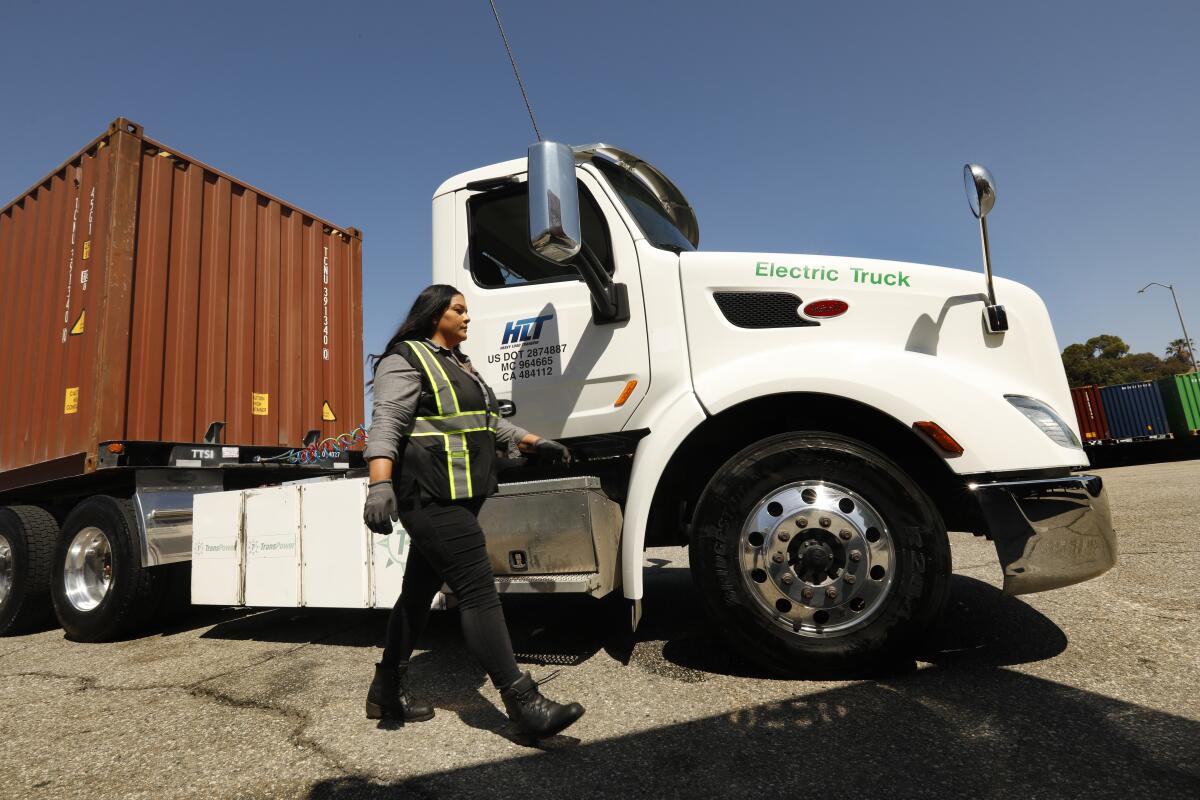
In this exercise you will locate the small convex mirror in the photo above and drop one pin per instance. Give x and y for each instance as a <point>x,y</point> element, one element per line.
<point>553,202</point>
<point>981,189</point>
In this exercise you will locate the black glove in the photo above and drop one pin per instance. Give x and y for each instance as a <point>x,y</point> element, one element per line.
<point>380,509</point>
<point>554,452</point>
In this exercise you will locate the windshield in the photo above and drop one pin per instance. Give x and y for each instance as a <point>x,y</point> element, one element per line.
<point>651,217</point>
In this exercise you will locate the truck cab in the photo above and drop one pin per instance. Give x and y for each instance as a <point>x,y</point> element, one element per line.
<point>811,426</point>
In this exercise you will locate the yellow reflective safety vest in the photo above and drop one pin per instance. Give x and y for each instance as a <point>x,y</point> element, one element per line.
<point>450,451</point>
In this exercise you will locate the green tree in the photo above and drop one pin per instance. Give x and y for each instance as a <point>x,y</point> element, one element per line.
<point>1106,360</point>
<point>1179,356</point>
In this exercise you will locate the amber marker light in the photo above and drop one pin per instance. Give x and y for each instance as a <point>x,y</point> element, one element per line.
<point>942,439</point>
<point>628,390</point>
<point>116,447</point>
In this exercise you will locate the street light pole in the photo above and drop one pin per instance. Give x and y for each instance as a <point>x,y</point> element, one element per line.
<point>1186,341</point>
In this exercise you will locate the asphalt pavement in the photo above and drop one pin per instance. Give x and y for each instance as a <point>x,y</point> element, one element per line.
<point>1089,691</point>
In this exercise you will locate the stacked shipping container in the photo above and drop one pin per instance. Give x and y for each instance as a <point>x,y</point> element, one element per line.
<point>1134,410</point>
<point>150,295</point>
<point>1181,398</point>
<point>1089,410</point>
<point>1139,410</point>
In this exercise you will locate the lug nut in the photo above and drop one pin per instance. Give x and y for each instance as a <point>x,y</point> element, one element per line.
<point>802,523</point>
<point>855,555</point>
<point>831,593</point>
<point>784,536</point>
<point>845,534</point>
<point>826,522</point>
<point>807,594</point>
<point>777,558</point>
<point>788,580</point>
<point>849,578</point>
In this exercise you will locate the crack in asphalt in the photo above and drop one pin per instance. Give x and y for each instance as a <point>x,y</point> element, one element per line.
<point>300,720</point>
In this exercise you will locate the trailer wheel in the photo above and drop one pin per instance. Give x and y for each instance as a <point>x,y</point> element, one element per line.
<point>100,588</point>
<point>815,554</point>
<point>27,537</point>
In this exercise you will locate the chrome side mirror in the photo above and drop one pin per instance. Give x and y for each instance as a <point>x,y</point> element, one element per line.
<point>981,196</point>
<point>981,189</point>
<point>554,231</point>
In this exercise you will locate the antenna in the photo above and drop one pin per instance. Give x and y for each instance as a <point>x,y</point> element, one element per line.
<point>516,72</point>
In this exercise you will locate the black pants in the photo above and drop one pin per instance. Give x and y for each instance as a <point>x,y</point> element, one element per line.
<point>448,546</point>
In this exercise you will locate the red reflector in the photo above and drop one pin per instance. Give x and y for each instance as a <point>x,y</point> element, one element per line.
<point>826,308</point>
<point>942,439</point>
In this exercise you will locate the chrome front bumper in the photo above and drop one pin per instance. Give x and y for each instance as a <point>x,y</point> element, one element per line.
<point>1049,533</point>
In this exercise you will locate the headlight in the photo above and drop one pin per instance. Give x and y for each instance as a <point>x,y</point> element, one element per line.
<point>1044,417</point>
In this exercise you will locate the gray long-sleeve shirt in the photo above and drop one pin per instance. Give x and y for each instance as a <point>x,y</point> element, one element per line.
<point>397,389</point>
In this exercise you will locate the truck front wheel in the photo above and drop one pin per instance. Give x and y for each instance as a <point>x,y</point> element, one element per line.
<point>816,554</point>
<point>100,588</point>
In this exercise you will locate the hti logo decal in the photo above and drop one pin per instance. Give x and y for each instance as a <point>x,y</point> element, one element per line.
<point>520,331</point>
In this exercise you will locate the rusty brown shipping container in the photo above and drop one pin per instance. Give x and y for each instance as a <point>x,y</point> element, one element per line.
<point>150,295</point>
<point>1089,410</point>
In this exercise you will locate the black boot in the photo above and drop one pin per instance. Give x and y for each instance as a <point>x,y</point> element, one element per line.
<point>388,697</point>
<point>533,714</point>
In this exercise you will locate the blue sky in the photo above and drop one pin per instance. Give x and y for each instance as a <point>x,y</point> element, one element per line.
<point>831,128</point>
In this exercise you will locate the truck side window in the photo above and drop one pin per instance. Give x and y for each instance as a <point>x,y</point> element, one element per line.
<point>500,254</point>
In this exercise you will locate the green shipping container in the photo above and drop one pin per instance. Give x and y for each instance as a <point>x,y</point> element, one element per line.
<point>1181,396</point>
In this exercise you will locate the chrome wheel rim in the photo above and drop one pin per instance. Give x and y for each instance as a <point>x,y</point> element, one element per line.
<point>818,558</point>
<point>87,574</point>
<point>6,568</point>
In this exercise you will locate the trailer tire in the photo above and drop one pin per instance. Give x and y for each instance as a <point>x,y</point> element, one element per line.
<point>776,585</point>
<point>27,538</point>
<point>101,590</point>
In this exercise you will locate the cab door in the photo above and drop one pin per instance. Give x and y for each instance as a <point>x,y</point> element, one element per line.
<point>532,335</point>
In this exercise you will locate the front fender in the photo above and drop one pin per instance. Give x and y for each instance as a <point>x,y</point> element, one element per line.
<point>966,399</point>
<point>668,429</point>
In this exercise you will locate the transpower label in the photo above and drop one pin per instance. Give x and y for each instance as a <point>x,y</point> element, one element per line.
<point>280,546</point>
<point>855,275</point>
<point>224,548</point>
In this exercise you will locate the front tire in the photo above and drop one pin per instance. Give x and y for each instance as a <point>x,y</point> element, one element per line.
<point>100,588</point>
<point>27,537</point>
<point>815,554</point>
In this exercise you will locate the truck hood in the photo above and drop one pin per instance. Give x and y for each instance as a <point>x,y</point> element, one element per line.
<point>911,342</point>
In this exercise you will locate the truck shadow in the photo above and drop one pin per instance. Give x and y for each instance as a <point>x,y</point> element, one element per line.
<point>964,726</point>
<point>981,628</point>
<point>943,732</point>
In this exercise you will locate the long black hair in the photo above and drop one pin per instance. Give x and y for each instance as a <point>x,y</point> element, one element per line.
<point>422,318</point>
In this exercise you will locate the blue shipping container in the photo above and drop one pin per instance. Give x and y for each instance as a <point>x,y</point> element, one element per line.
<point>1134,409</point>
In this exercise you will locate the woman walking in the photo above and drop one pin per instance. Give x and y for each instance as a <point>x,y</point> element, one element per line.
<point>432,457</point>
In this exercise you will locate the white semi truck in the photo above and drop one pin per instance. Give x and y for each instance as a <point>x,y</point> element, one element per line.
<point>810,426</point>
